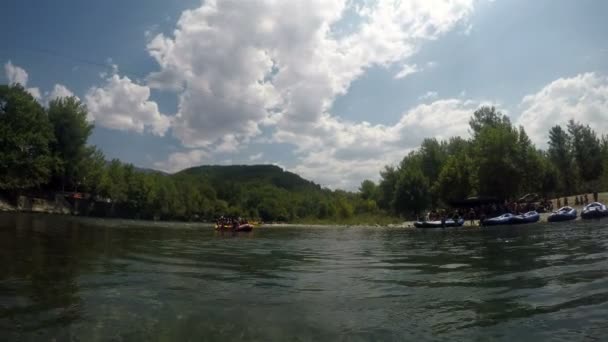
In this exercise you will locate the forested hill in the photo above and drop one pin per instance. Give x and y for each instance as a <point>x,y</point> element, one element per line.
<point>251,174</point>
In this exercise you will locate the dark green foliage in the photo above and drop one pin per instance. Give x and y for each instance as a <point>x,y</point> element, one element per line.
<point>46,149</point>
<point>72,130</point>
<point>25,135</point>
<point>499,161</point>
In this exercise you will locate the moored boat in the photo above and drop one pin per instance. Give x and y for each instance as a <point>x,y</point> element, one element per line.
<point>499,220</point>
<point>504,219</point>
<point>594,210</point>
<point>439,224</point>
<point>529,217</point>
<point>563,214</point>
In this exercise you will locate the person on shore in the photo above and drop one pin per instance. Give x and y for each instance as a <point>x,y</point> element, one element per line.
<point>576,201</point>
<point>586,199</point>
<point>472,216</point>
<point>559,203</point>
<point>565,201</point>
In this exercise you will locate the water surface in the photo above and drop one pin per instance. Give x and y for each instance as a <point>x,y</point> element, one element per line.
<point>64,278</point>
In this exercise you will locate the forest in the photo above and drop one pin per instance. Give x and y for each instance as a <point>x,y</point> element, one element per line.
<point>44,148</point>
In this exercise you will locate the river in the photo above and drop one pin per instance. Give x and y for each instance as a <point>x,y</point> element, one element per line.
<point>65,278</point>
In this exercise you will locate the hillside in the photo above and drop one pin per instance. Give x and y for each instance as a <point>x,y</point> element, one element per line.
<point>248,174</point>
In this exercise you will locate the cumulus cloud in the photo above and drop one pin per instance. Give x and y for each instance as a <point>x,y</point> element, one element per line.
<point>429,95</point>
<point>406,70</point>
<point>124,105</point>
<point>16,74</point>
<point>352,152</point>
<point>181,160</point>
<point>238,66</point>
<point>257,156</point>
<point>59,91</point>
<point>583,98</point>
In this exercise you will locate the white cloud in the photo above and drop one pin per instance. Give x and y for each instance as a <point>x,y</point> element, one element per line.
<point>123,105</point>
<point>59,91</point>
<point>346,153</point>
<point>16,74</point>
<point>257,156</point>
<point>181,160</point>
<point>429,95</point>
<point>583,98</point>
<point>238,66</point>
<point>407,70</point>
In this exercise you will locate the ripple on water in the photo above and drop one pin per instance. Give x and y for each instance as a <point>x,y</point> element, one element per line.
<point>135,283</point>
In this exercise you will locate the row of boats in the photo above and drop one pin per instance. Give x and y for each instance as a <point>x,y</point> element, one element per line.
<point>593,210</point>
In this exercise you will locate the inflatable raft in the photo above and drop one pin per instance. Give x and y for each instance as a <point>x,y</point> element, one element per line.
<point>439,224</point>
<point>563,214</point>
<point>594,210</point>
<point>504,219</point>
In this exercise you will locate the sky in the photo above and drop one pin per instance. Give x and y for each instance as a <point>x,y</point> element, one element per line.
<point>330,89</point>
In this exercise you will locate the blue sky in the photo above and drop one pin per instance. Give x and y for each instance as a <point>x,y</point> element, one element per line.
<point>316,87</point>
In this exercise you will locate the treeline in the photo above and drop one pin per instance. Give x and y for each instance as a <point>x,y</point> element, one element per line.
<point>499,160</point>
<point>44,149</point>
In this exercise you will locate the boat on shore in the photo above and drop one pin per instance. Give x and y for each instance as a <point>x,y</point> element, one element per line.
<point>439,224</point>
<point>594,210</point>
<point>563,214</point>
<point>508,218</point>
<point>529,217</point>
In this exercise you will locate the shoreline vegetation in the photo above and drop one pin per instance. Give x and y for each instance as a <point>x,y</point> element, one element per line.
<point>46,165</point>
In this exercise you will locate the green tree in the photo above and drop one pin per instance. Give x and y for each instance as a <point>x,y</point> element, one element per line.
<point>587,152</point>
<point>368,190</point>
<point>25,135</point>
<point>487,117</point>
<point>68,116</point>
<point>412,194</point>
<point>387,186</point>
<point>456,180</point>
<point>498,173</point>
<point>560,155</point>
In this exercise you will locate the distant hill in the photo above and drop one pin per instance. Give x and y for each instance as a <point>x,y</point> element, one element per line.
<point>259,174</point>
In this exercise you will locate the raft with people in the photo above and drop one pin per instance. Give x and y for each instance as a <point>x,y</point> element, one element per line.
<point>233,224</point>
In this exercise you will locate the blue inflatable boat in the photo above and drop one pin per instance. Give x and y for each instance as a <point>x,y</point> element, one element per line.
<point>497,221</point>
<point>594,210</point>
<point>563,214</point>
<point>439,224</point>
<point>529,217</point>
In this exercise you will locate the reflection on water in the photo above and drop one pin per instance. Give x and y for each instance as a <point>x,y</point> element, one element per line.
<point>65,278</point>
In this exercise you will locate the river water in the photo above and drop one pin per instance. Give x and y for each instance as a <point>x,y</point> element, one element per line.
<point>64,278</point>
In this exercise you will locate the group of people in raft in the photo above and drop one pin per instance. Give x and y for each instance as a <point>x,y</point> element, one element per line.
<point>232,223</point>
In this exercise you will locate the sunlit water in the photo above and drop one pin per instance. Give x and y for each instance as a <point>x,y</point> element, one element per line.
<point>66,279</point>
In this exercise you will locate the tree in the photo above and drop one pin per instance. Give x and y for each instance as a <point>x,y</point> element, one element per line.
<point>487,117</point>
<point>586,150</point>
<point>412,194</point>
<point>387,186</point>
<point>560,155</point>
<point>68,117</point>
<point>496,151</point>
<point>25,135</point>
<point>456,180</point>
<point>368,190</point>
